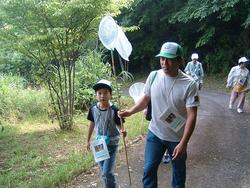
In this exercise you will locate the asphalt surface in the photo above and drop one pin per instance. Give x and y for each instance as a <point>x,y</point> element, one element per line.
<point>218,152</point>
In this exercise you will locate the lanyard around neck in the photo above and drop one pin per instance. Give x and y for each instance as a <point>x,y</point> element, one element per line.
<point>171,88</point>
<point>103,123</point>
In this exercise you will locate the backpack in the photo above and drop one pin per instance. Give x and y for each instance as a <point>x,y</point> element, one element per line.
<point>149,108</point>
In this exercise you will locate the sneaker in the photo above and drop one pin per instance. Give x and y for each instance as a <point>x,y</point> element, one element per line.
<point>166,159</point>
<point>230,107</point>
<point>239,110</point>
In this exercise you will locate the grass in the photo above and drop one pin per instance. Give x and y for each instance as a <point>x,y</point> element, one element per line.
<point>40,154</point>
<point>36,153</point>
<point>218,83</point>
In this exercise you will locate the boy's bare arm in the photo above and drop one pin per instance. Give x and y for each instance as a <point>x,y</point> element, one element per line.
<point>90,131</point>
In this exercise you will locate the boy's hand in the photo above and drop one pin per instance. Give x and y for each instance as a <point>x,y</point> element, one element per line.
<point>123,132</point>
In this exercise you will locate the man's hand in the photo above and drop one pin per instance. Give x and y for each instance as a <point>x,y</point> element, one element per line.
<point>179,151</point>
<point>124,113</point>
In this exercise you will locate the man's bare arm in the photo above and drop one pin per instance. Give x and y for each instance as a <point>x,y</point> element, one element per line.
<point>181,148</point>
<point>139,106</point>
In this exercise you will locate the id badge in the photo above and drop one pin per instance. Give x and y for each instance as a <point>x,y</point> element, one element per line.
<point>242,80</point>
<point>172,119</point>
<point>100,150</point>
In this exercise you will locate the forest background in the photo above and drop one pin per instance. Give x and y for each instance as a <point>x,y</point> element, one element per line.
<point>50,57</point>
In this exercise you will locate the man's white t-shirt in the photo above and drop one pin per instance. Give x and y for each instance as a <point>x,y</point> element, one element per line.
<point>176,92</point>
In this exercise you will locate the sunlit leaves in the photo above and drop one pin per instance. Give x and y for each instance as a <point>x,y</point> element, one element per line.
<point>205,37</point>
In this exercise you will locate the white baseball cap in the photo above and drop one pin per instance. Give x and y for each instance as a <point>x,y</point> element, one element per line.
<point>243,60</point>
<point>194,56</point>
<point>103,84</point>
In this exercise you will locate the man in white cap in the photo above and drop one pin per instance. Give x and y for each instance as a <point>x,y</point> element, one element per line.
<point>194,69</point>
<point>239,81</point>
<point>174,97</point>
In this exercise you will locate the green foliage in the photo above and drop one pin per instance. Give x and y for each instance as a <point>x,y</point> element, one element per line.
<point>153,29</point>
<point>223,59</point>
<point>19,102</point>
<point>90,69</point>
<point>50,34</point>
<point>206,27</point>
<point>206,37</point>
<point>202,9</point>
<point>15,63</point>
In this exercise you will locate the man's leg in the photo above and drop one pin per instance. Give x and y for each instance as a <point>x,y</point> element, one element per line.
<point>154,150</point>
<point>178,167</point>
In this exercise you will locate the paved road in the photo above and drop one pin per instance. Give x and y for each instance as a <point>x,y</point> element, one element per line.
<point>218,153</point>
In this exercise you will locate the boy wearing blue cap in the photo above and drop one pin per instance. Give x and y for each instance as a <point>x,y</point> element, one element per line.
<point>104,119</point>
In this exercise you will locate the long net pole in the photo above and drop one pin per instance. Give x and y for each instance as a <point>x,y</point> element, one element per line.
<point>119,102</point>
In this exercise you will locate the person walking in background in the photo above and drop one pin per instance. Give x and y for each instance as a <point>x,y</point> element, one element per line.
<point>194,68</point>
<point>239,81</point>
<point>172,94</point>
<point>104,119</point>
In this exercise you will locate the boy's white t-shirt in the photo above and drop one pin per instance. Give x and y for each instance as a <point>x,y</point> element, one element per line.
<point>178,93</point>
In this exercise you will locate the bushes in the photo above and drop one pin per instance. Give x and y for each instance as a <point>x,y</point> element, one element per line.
<point>89,70</point>
<point>218,62</point>
<point>19,102</point>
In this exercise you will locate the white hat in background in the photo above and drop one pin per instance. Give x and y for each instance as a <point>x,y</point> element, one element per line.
<point>194,56</point>
<point>243,60</point>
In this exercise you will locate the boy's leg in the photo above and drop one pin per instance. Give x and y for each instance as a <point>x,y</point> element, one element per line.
<point>108,168</point>
<point>178,167</point>
<point>154,150</point>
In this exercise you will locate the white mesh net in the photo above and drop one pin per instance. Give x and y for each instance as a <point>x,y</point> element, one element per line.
<point>108,32</point>
<point>136,91</point>
<point>112,37</point>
